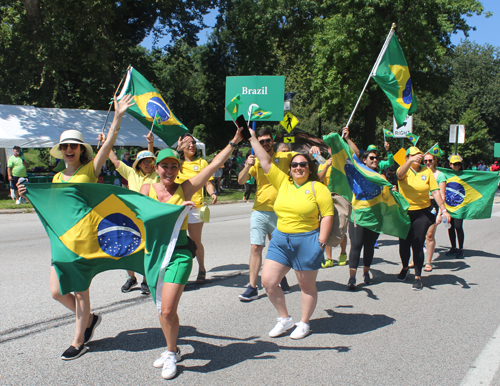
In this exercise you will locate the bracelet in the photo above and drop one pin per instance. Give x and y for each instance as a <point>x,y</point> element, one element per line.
<point>444,210</point>
<point>232,144</point>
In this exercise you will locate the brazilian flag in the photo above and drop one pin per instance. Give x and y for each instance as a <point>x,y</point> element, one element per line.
<point>99,227</point>
<point>150,106</point>
<point>470,193</point>
<point>393,77</point>
<point>375,205</point>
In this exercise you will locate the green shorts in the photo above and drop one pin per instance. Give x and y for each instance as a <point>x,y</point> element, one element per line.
<point>181,263</point>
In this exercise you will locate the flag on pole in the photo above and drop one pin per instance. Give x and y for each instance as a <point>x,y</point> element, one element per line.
<point>436,151</point>
<point>393,76</point>
<point>232,107</point>
<point>98,227</point>
<point>470,193</point>
<point>148,104</point>
<point>257,113</point>
<point>375,205</point>
<point>388,134</point>
<point>413,138</point>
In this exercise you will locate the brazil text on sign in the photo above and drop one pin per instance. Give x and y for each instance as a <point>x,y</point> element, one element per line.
<point>268,92</point>
<point>289,122</point>
<point>289,139</point>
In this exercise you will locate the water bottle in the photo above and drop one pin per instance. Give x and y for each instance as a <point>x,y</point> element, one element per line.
<point>447,225</point>
<point>319,158</point>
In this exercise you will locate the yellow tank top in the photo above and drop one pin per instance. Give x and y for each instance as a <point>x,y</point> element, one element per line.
<point>84,174</point>
<point>176,199</point>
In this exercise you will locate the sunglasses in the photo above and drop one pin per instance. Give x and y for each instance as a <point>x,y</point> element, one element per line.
<point>263,141</point>
<point>301,164</point>
<point>373,157</point>
<point>147,161</point>
<point>73,146</point>
<point>457,163</point>
<point>428,161</point>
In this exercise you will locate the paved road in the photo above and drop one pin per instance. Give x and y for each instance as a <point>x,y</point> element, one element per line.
<point>382,334</point>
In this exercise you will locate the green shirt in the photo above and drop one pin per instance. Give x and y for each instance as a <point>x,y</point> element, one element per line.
<point>17,166</point>
<point>382,165</point>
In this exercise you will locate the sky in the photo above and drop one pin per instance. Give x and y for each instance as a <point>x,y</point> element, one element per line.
<point>487,29</point>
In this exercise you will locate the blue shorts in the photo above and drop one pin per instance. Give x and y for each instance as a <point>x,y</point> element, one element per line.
<point>300,251</point>
<point>261,223</point>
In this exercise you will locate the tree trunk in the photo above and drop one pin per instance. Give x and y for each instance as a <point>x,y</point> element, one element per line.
<point>33,13</point>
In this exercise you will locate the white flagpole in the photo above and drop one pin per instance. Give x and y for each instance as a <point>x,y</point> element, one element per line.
<point>374,69</point>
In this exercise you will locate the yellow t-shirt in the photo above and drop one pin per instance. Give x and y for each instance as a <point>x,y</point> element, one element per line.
<point>84,174</point>
<point>190,169</point>
<point>327,176</point>
<point>296,207</point>
<point>266,193</point>
<point>136,178</point>
<point>415,187</point>
<point>176,199</point>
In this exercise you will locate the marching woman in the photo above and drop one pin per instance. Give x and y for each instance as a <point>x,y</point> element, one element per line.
<point>192,164</point>
<point>361,237</point>
<point>168,165</point>
<point>456,231</point>
<point>299,240</point>
<point>415,184</point>
<point>141,172</point>
<point>430,161</point>
<point>81,169</point>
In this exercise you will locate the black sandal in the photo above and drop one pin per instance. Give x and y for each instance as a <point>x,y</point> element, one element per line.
<point>201,279</point>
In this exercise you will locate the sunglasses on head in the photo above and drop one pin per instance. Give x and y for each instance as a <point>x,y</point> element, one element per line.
<point>373,157</point>
<point>73,146</point>
<point>263,141</point>
<point>301,164</point>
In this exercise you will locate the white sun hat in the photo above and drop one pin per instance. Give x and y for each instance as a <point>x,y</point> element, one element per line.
<point>71,136</point>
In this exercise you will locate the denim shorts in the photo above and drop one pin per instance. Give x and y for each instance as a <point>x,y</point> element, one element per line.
<point>261,223</point>
<point>300,251</point>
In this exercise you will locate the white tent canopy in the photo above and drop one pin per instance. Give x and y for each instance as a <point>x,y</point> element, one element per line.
<point>33,127</point>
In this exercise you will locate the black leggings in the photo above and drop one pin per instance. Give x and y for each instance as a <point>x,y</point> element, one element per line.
<point>420,220</point>
<point>361,237</point>
<point>456,228</point>
<point>248,190</point>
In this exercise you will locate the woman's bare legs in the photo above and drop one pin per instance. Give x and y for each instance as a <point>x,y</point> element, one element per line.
<point>169,320</point>
<point>272,274</point>
<point>309,293</point>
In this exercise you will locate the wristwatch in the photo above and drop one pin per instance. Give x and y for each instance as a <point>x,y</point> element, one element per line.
<point>232,144</point>
<point>322,245</point>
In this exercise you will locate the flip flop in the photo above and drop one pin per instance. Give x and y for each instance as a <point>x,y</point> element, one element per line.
<point>201,279</point>
<point>428,267</point>
<point>411,265</point>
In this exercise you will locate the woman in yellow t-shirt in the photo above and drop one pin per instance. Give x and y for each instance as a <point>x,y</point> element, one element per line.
<point>415,184</point>
<point>192,165</point>
<point>299,240</point>
<point>168,190</point>
<point>82,169</point>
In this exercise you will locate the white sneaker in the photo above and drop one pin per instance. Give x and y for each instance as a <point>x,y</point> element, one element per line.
<point>169,366</point>
<point>161,360</point>
<point>18,202</point>
<point>301,331</point>
<point>281,327</point>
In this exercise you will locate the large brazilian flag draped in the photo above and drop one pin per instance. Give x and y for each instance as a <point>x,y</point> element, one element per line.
<point>393,77</point>
<point>97,227</point>
<point>375,205</point>
<point>149,103</point>
<point>470,193</point>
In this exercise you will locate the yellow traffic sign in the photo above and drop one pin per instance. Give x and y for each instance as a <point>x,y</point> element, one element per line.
<point>290,139</point>
<point>289,122</point>
<point>400,157</point>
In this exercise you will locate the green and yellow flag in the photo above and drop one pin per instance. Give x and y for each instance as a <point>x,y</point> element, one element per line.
<point>388,134</point>
<point>150,106</point>
<point>393,77</point>
<point>413,138</point>
<point>470,193</point>
<point>233,106</point>
<point>436,151</point>
<point>257,113</point>
<point>375,205</point>
<point>99,227</point>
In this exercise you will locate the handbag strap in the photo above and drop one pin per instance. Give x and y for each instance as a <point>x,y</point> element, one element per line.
<point>314,194</point>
